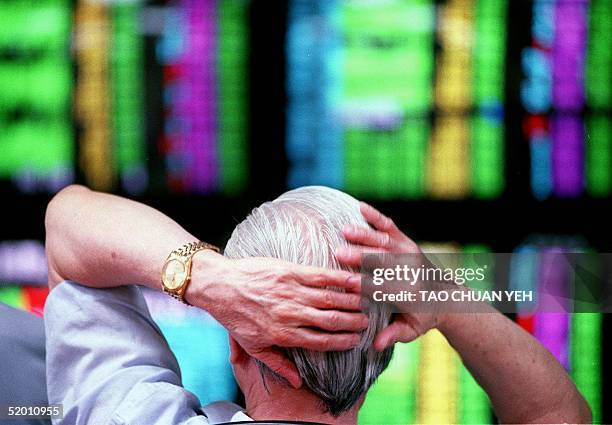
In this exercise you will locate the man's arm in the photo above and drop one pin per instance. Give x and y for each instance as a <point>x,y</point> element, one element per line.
<point>524,381</point>
<point>102,240</point>
<point>108,363</point>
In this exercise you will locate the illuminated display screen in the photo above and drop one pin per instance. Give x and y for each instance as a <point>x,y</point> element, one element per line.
<point>204,55</point>
<point>201,48</point>
<point>75,78</point>
<point>567,96</point>
<point>386,99</point>
<point>408,98</point>
<point>374,109</point>
<point>399,99</point>
<point>36,134</point>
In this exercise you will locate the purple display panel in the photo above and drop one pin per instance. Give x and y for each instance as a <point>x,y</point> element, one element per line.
<point>569,48</point>
<point>552,327</point>
<point>199,95</point>
<point>568,155</point>
<point>568,58</point>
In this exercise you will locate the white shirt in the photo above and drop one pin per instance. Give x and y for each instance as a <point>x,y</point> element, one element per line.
<point>108,362</point>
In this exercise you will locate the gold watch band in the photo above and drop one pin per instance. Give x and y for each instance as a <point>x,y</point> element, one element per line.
<point>191,248</point>
<point>187,252</point>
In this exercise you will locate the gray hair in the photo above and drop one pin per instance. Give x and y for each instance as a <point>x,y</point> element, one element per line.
<point>304,226</point>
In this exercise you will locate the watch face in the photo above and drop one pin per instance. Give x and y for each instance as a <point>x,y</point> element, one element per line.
<point>174,274</point>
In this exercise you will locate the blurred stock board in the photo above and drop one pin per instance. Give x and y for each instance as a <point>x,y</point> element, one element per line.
<point>412,98</point>
<point>393,99</point>
<point>81,81</point>
<point>385,99</point>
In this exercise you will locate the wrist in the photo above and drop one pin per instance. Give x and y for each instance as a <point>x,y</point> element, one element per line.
<point>207,276</point>
<point>447,320</point>
<point>463,314</point>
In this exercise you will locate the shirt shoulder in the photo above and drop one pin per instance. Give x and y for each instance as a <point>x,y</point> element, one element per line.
<point>70,295</point>
<point>106,358</point>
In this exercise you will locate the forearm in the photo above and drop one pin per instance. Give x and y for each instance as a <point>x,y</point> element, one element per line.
<point>523,380</point>
<point>103,240</point>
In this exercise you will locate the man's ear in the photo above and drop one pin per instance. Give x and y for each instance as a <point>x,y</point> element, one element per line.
<point>237,353</point>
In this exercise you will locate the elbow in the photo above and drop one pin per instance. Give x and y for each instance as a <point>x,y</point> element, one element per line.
<point>576,411</point>
<point>57,216</point>
<point>57,205</point>
<point>570,408</point>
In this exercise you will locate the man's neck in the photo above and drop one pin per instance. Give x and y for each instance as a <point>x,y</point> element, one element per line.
<point>294,405</point>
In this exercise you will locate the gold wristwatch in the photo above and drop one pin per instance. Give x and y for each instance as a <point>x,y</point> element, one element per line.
<point>176,273</point>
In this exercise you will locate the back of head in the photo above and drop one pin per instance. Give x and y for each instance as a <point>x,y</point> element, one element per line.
<point>304,226</point>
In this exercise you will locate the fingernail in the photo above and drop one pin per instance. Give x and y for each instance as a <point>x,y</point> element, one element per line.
<point>355,279</point>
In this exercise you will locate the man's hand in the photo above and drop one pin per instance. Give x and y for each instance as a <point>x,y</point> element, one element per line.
<point>385,237</point>
<point>267,303</point>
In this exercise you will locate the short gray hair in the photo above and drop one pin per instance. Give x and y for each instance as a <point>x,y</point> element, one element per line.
<point>304,226</point>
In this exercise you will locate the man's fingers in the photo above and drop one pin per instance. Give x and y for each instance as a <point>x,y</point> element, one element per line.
<point>386,337</point>
<point>377,219</point>
<point>350,256</point>
<point>396,331</point>
<point>332,320</point>
<point>320,277</point>
<point>311,339</point>
<point>361,235</point>
<point>280,364</point>
<point>332,300</point>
